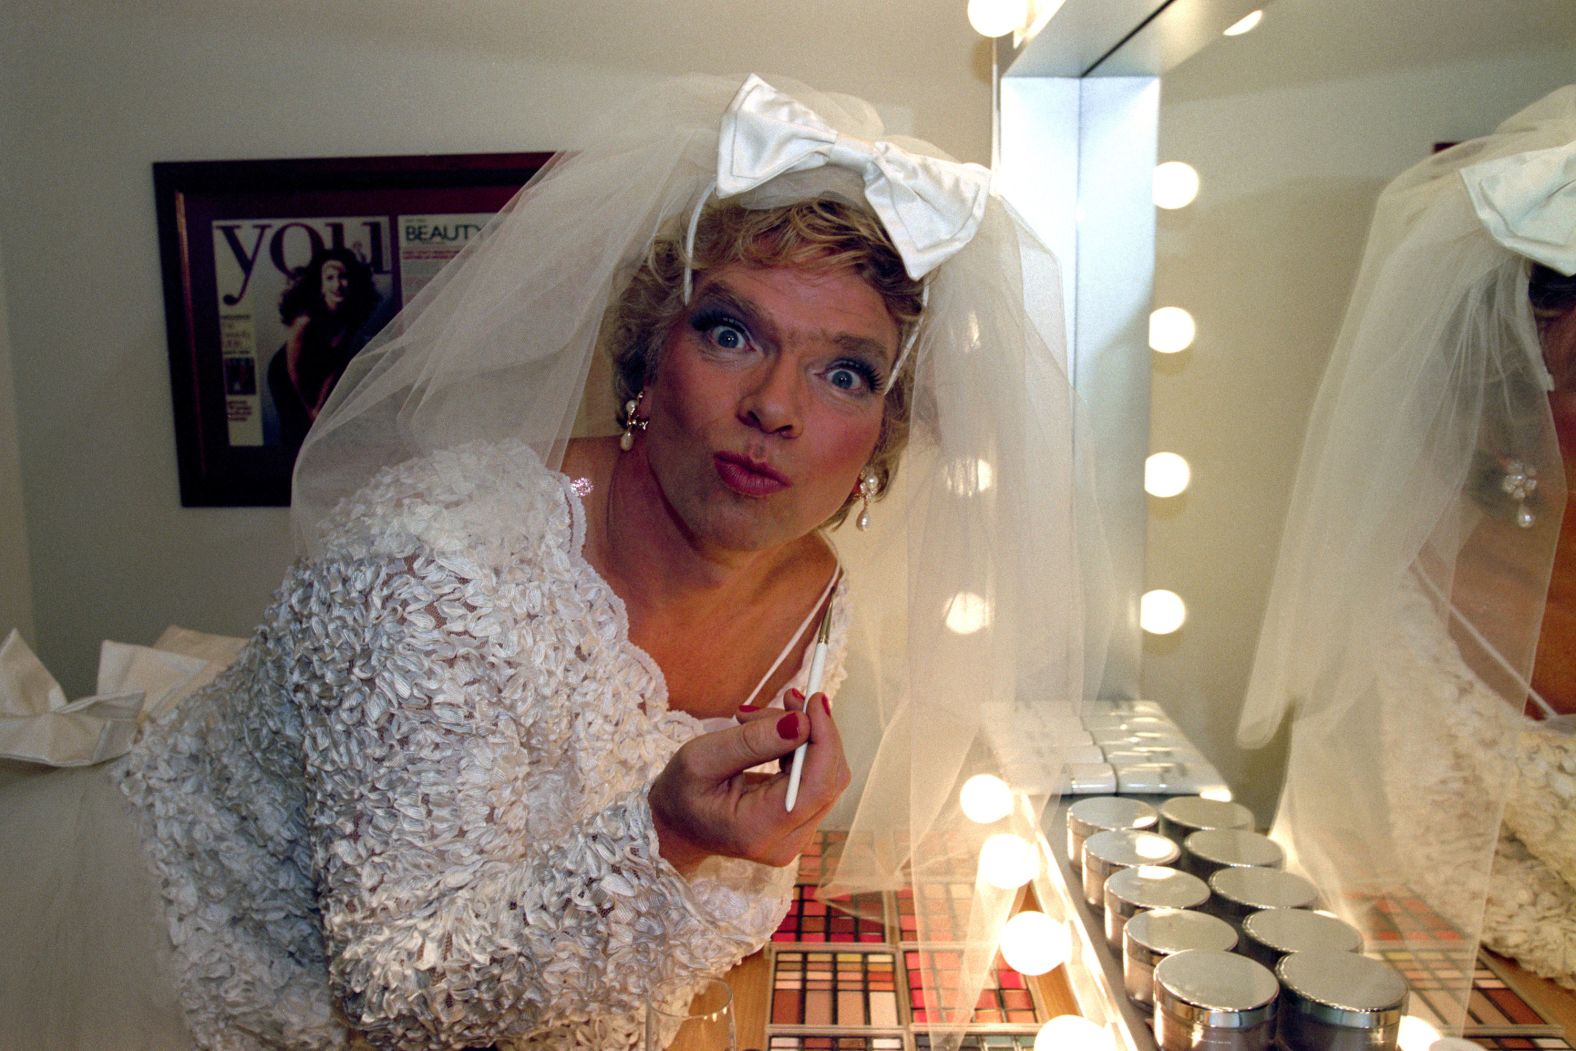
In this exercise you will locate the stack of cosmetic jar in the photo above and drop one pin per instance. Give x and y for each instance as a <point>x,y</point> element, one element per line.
<point>1103,814</point>
<point>1210,1000</point>
<point>1236,893</point>
<point>1150,937</point>
<point>1270,934</point>
<point>1184,815</point>
<point>1107,852</point>
<point>1131,891</point>
<point>1338,1001</point>
<point>1205,853</point>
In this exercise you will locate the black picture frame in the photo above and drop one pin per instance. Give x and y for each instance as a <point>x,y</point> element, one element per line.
<point>236,236</point>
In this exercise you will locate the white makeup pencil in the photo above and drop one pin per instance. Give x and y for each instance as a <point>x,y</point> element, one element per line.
<point>823,638</point>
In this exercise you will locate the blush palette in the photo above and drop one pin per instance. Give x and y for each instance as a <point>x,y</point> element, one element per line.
<point>860,919</point>
<point>1005,999</point>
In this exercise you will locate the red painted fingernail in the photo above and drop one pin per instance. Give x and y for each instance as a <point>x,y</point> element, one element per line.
<point>796,695</point>
<point>748,708</point>
<point>788,726</point>
<point>826,704</point>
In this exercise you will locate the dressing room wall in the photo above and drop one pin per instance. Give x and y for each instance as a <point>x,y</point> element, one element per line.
<point>93,541</point>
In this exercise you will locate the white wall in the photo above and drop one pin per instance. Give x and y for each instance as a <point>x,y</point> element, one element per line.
<point>16,582</point>
<point>1294,128</point>
<point>93,92</point>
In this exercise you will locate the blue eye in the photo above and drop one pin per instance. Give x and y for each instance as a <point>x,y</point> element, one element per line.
<point>856,377</point>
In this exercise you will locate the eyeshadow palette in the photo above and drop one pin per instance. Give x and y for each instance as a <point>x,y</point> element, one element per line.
<point>816,856</point>
<point>985,1042</point>
<point>827,989</point>
<point>1436,980</point>
<point>835,1042</point>
<point>861,919</point>
<point>1005,998</point>
<point>949,902</point>
<point>1407,919</point>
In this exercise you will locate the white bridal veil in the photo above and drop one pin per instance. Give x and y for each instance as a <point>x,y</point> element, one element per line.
<point>1406,603</point>
<point>974,586</point>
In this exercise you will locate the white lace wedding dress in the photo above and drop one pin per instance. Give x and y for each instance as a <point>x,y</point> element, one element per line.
<point>416,802</point>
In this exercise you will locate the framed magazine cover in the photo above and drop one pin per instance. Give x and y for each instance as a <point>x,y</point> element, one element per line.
<point>276,273</point>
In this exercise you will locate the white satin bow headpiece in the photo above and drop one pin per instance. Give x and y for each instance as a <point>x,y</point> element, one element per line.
<point>1527,202</point>
<point>930,207</point>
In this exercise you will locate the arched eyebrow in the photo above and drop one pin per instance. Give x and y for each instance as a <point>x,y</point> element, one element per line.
<point>719,295</point>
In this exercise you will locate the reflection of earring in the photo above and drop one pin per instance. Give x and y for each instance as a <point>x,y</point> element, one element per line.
<point>867,489</point>
<point>632,423</point>
<point>1519,482</point>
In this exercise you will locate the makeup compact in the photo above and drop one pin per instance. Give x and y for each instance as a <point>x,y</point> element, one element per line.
<point>1269,934</point>
<point>1339,1001</point>
<point>1102,814</point>
<point>1185,815</point>
<point>1106,852</point>
<point>1149,937</point>
<point>1209,1000</point>
<point>1207,851</point>
<point>1143,887</point>
<point>1236,893</point>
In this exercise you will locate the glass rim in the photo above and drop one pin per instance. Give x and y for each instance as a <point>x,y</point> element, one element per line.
<point>710,1000</point>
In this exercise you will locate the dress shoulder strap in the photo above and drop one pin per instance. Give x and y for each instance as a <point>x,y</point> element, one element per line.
<point>812,617</point>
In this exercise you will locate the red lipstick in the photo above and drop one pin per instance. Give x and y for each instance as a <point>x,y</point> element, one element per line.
<point>749,477</point>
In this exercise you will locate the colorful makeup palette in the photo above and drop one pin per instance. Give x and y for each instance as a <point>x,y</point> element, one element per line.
<point>948,905</point>
<point>817,856</point>
<point>984,1042</point>
<point>1404,918</point>
<point>835,1042</point>
<point>1005,998</point>
<point>835,989</point>
<point>861,919</point>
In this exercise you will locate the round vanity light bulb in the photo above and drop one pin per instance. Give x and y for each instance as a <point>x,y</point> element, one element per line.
<point>1415,1034</point>
<point>1072,1033</point>
<point>985,798</point>
<point>1033,943</point>
<point>1160,612</point>
<point>1176,185</point>
<point>1008,862</point>
<point>993,18</point>
<point>1245,24</point>
<point>967,613</point>
<point>1171,329</point>
<point>1166,474</point>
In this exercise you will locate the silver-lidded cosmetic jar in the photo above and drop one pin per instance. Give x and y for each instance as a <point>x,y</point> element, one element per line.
<point>1209,850</point>
<point>1182,816</point>
<point>1339,1001</point>
<point>1150,937</point>
<point>1103,814</point>
<point>1234,894</point>
<point>1143,887</point>
<point>1269,934</point>
<point>1209,1000</point>
<point>1107,852</point>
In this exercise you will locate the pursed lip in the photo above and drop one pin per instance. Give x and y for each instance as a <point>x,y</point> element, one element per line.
<point>747,476</point>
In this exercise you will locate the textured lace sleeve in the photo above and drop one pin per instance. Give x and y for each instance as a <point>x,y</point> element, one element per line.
<point>463,900</point>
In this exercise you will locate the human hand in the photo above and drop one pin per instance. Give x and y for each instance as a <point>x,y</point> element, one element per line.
<point>704,802</point>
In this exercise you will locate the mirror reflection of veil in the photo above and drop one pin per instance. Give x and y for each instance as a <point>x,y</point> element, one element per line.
<point>324,309</point>
<point>1432,767</point>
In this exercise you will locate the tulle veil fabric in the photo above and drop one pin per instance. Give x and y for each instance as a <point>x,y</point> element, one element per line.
<point>1407,599</point>
<point>980,593</point>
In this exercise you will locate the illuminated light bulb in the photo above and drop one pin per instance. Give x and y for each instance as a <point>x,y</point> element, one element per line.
<point>993,18</point>
<point>1033,943</point>
<point>1175,185</point>
<point>1072,1033</point>
<point>1219,793</point>
<point>1008,862</point>
<point>1245,24</point>
<point>985,798</point>
<point>1160,612</point>
<point>1171,329</point>
<point>1415,1034</point>
<point>1166,474</point>
<point>967,613</point>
